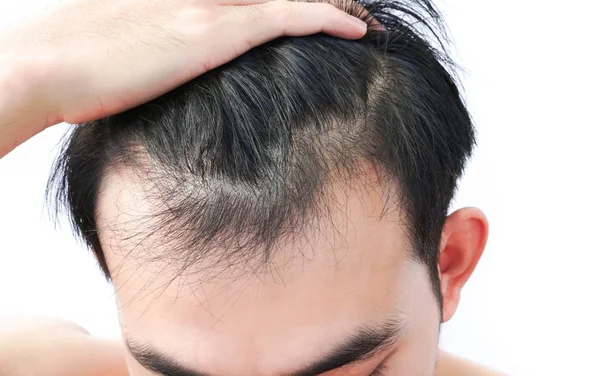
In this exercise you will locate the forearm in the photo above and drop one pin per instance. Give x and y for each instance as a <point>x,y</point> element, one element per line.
<point>58,349</point>
<point>23,112</point>
<point>75,356</point>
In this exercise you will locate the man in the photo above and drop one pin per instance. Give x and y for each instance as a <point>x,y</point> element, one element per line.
<point>285,213</point>
<point>53,347</point>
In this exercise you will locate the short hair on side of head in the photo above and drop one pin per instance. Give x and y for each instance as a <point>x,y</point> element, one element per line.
<point>240,156</point>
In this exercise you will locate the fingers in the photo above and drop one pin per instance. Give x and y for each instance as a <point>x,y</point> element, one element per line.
<point>278,18</point>
<point>241,2</point>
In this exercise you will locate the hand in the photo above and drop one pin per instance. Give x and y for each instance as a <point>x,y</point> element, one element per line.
<point>89,58</point>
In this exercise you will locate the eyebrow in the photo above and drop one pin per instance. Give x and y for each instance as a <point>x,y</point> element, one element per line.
<point>364,344</point>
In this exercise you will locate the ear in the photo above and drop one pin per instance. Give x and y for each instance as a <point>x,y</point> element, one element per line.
<point>463,240</point>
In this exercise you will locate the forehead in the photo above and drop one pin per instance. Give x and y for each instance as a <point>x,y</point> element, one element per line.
<point>353,269</point>
<point>137,222</point>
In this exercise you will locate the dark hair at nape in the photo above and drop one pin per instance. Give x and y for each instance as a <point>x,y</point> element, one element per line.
<point>239,155</point>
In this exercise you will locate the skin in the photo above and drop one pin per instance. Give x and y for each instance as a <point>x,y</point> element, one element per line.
<point>51,347</point>
<point>350,269</point>
<point>269,322</point>
<point>76,63</point>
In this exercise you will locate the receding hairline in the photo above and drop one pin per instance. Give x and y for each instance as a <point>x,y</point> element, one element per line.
<point>367,188</point>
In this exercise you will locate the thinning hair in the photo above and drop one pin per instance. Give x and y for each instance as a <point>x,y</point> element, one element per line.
<point>240,156</point>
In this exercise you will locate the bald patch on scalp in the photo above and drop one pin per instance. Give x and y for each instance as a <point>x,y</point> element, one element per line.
<point>132,233</point>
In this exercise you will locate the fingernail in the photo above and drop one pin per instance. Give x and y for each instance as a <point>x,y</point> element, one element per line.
<point>359,23</point>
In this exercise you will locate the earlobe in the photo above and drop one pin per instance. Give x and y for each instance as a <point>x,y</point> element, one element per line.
<point>463,240</point>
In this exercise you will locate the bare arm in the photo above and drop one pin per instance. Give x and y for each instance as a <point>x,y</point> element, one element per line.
<point>87,59</point>
<point>21,113</point>
<point>57,348</point>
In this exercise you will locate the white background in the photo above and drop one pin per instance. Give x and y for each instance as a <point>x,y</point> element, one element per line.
<point>531,80</point>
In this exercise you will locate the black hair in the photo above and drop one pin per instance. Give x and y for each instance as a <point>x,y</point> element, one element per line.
<point>239,156</point>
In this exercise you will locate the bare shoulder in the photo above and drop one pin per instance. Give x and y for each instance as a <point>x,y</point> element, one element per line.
<point>451,365</point>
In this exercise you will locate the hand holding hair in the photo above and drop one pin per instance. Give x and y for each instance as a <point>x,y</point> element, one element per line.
<point>88,59</point>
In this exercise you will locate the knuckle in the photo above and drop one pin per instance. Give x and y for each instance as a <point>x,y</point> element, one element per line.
<point>327,8</point>
<point>197,15</point>
<point>282,9</point>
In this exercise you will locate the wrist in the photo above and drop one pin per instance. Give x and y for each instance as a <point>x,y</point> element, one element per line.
<point>23,107</point>
<point>25,79</point>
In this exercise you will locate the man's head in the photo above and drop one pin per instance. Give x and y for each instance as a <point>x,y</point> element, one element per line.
<point>286,213</point>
